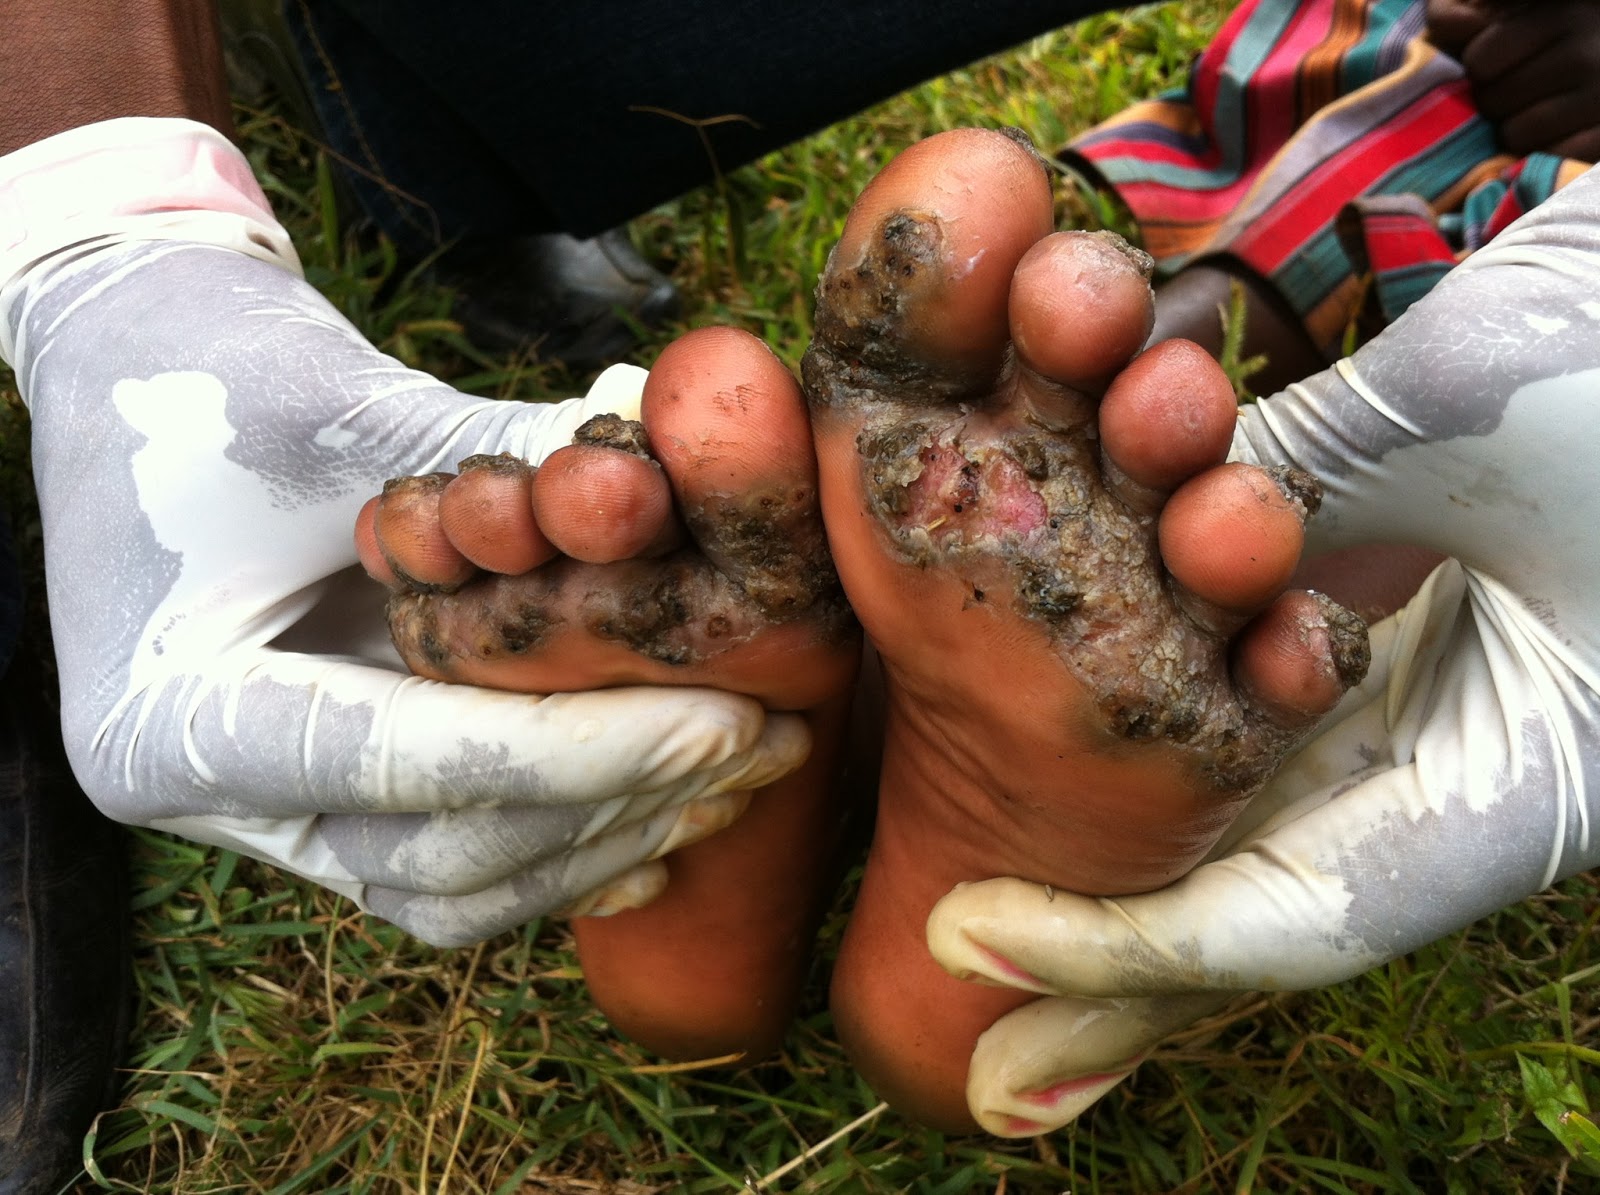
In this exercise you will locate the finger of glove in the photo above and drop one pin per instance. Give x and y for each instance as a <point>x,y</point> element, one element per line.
<point>1023,935</point>
<point>633,889</point>
<point>268,734</point>
<point>1043,1065</point>
<point>557,884</point>
<point>446,879</point>
<point>439,439</point>
<point>615,870</point>
<point>461,852</point>
<point>452,922</point>
<point>697,820</point>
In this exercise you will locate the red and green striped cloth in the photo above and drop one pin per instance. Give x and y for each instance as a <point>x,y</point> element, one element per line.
<point>1326,145</point>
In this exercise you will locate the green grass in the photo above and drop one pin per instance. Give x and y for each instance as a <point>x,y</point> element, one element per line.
<point>287,1043</point>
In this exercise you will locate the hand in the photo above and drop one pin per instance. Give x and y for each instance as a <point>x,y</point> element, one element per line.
<point>1461,776</point>
<point>206,428</point>
<point>1452,24</point>
<point>1534,69</point>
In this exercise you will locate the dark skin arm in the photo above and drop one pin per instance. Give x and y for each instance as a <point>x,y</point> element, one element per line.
<point>1534,67</point>
<point>65,63</point>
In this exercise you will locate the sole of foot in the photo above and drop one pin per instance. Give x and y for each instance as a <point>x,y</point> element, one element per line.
<point>1090,654</point>
<point>685,548</point>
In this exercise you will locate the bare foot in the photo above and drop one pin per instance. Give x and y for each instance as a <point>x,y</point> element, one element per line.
<point>1090,657</point>
<point>685,549</point>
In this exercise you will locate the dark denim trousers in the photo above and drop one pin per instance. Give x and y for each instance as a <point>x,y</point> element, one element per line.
<point>504,116</point>
<point>10,594</point>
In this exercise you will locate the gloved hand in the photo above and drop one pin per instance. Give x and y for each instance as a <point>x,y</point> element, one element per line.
<point>1464,773</point>
<point>206,428</point>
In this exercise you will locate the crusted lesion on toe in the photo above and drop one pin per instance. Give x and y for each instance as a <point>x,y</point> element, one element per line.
<point>771,543</point>
<point>613,431</point>
<point>402,492</point>
<point>529,627</point>
<point>1141,261</point>
<point>646,615</point>
<point>1303,491</point>
<point>861,305</point>
<point>865,316</point>
<point>760,560</point>
<point>1348,645</point>
<point>484,620</point>
<point>496,462</point>
<point>415,627</point>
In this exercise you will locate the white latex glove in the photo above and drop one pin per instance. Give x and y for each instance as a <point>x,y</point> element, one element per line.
<point>206,428</point>
<point>1460,777</point>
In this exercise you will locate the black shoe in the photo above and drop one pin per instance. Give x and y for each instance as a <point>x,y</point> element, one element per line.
<point>581,303</point>
<point>65,969</point>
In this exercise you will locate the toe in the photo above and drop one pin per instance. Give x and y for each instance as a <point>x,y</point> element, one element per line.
<point>1298,657</point>
<point>728,424</point>
<point>601,504</point>
<point>1231,537</point>
<point>725,416</point>
<point>1080,307</point>
<point>407,538</point>
<point>924,265</point>
<point>368,550</point>
<point>1167,417</point>
<point>487,513</point>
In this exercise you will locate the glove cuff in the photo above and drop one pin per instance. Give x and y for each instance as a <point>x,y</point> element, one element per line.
<point>135,178</point>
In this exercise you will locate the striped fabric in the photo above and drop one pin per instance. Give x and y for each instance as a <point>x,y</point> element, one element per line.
<point>1327,146</point>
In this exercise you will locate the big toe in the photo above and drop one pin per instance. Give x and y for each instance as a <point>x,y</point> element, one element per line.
<point>728,423</point>
<point>920,275</point>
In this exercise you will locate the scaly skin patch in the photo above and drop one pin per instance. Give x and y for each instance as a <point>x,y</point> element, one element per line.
<point>761,561</point>
<point>613,431</point>
<point>861,316</point>
<point>961,479</point>
<point>485,462</point>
